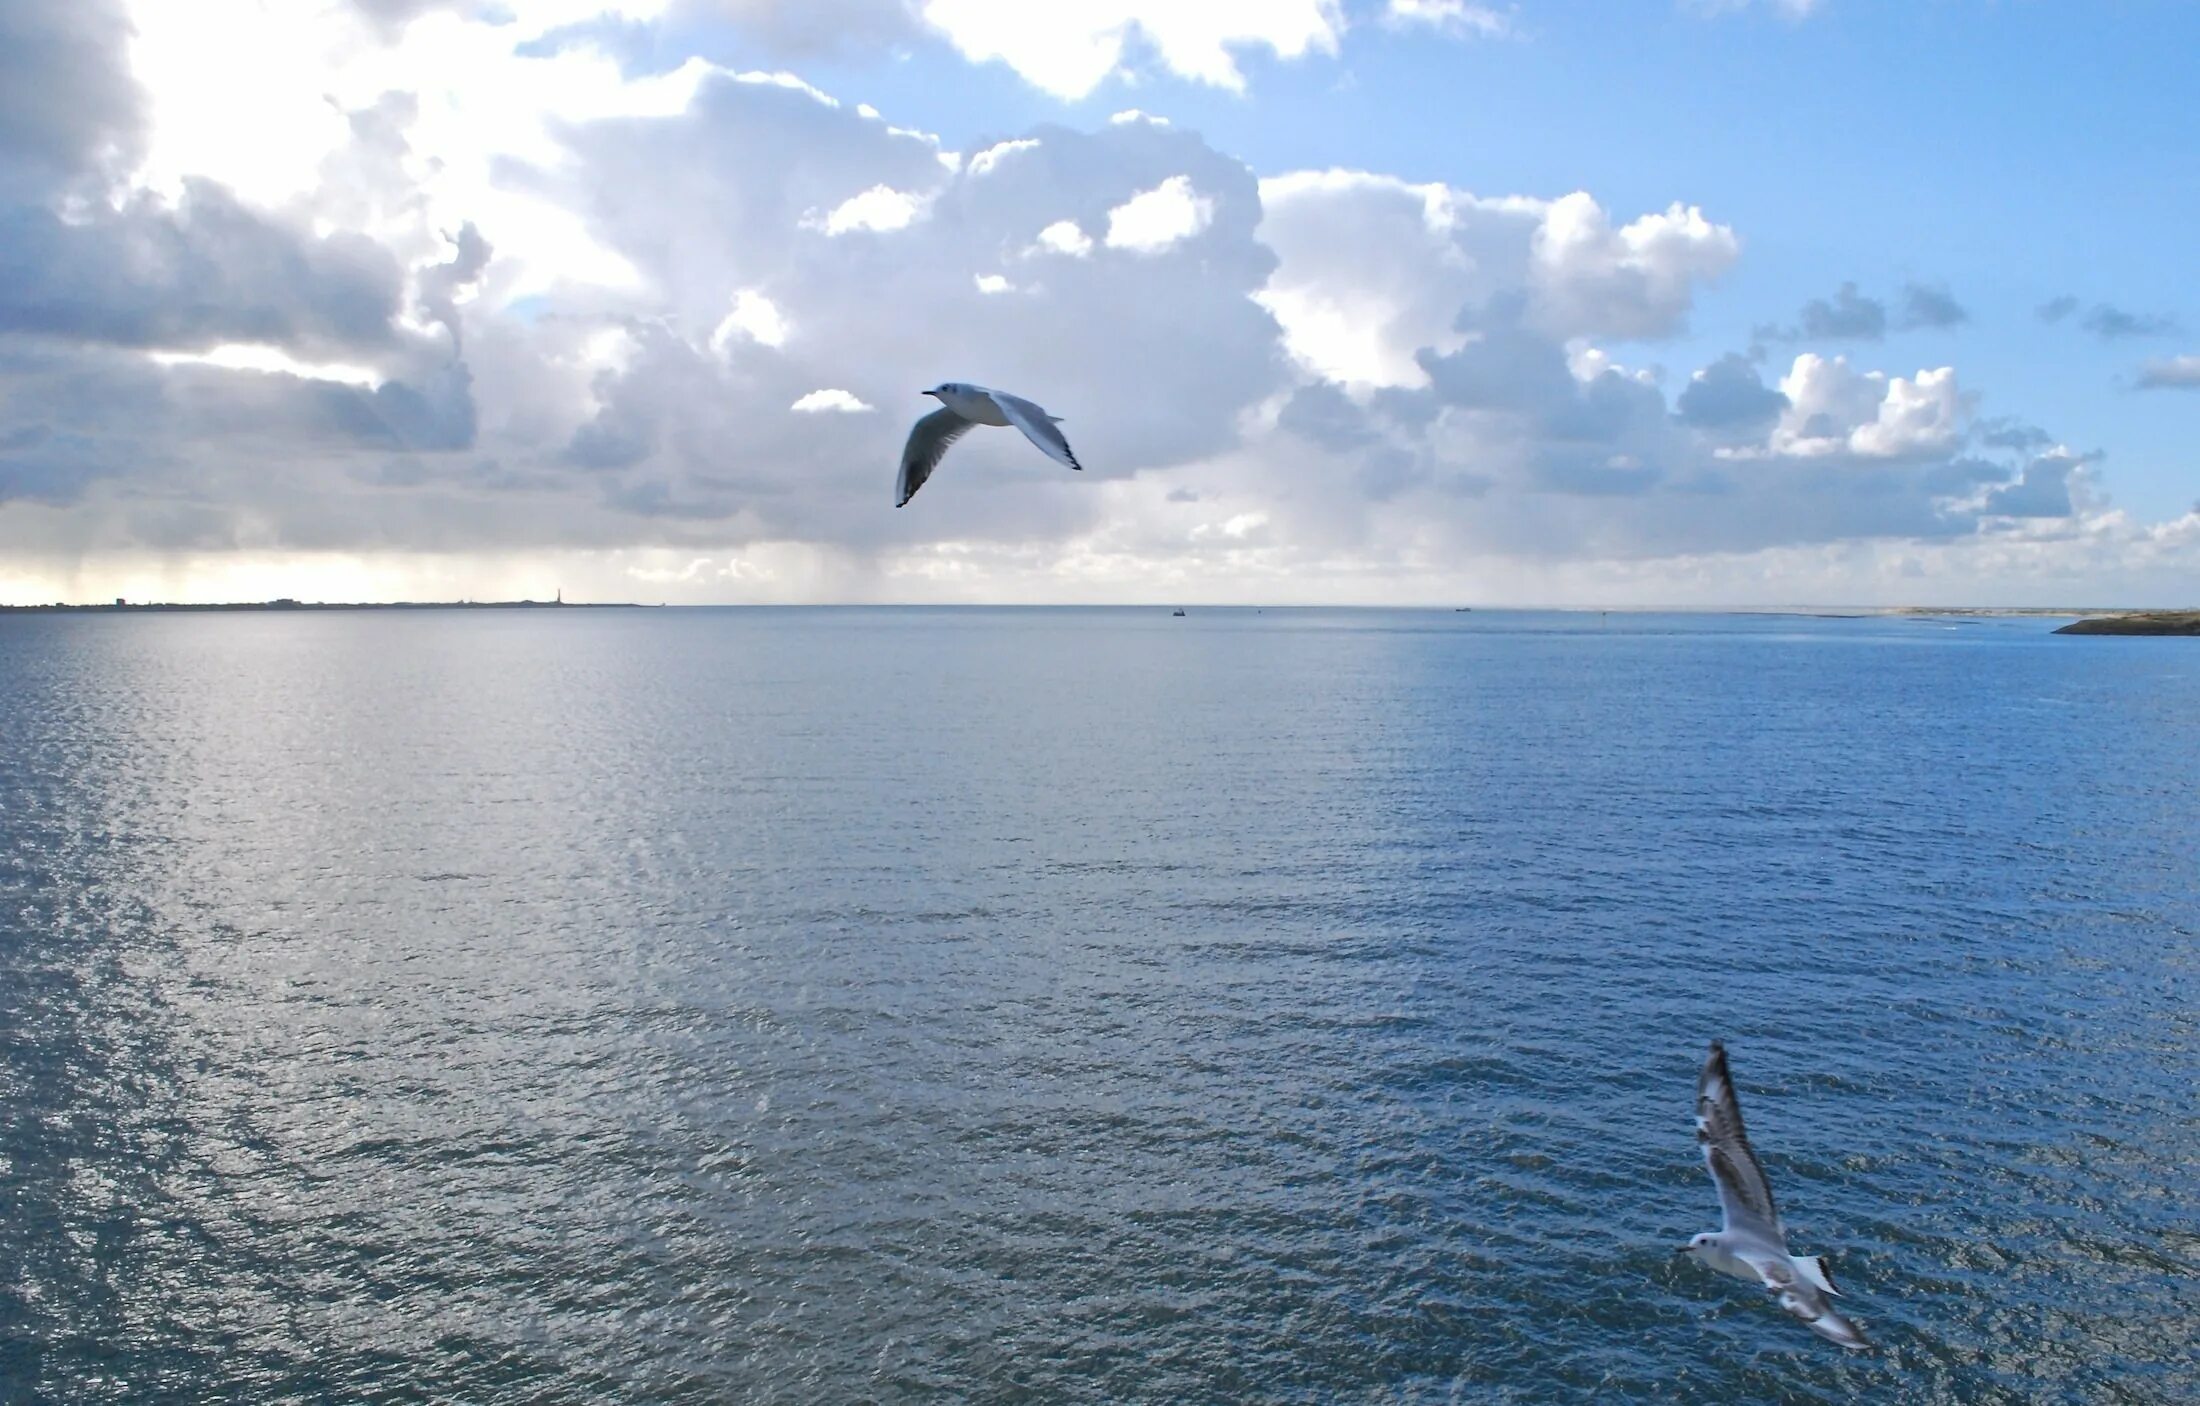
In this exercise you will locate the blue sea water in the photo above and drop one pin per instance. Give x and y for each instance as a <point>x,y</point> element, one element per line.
<point>1063,1005</point>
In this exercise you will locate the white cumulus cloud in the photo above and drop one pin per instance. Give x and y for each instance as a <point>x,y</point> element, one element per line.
<point>1450,16</point>
<point>1064,237</point>
<point>830,398</point>
<point>753,316</point>
<point>1152,220</point>
<point>880,208</point>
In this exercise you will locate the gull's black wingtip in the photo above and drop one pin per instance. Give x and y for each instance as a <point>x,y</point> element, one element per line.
<point>1714,1063</point>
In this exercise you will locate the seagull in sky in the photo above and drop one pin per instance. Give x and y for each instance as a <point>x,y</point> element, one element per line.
<point>1752,1244</point>
<point>961,406</point>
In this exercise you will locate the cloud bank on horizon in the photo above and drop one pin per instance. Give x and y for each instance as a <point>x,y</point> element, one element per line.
<point>457,298</point>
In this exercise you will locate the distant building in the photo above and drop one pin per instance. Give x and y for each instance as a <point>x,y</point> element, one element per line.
<point>120,601</point>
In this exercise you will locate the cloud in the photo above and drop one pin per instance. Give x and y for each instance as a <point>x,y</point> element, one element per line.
<point>1790,9</point>
<point>1852,316</point>
<point>2005,433</point>
<point>1457,17</point>
<point>1071,47</point>
<point>67,102</point>
<point>2042,490</point>
<point>830,399</point>
<point>812,29</point>
<point>2106,321</point>
<point>2056,309</point>
<point>1634,281</point>
<point>752,316</point>
<point>1152,220</point>
<point>1834,409</point>
<point>1064,237</point>
<point>205,270</point>
<point>2113,323</point>
<point>1847,316</point>
<point>513,304</point>
<point>1729,395</point>
<point>879,209</point>
<point>1924,306</point>
<point>881,329</point>
<point>1448,252</point>
<point>2171,373</point>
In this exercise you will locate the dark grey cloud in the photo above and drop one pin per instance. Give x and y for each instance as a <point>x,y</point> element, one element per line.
<point>1851,316</point>
<point>2171,373</point>
<point>67,100</point>
<point>2112,323</point>
<point>79,416</point>
<point>2042,490</point>
<point>210,270</point>
<point>1505,365</point>
<point>1606,409</point>
<point>2056,309</point>
<point>1729,395</point>
<point>1323,414</point>
<point>83,297</point>
<point>2006,433</point>
<point>2107,321</point>
<point>1926,306</point>
<point>1847,316</point>
<point>1964,475</point>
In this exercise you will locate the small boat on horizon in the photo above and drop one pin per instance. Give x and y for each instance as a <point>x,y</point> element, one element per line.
<point>1178,611</point>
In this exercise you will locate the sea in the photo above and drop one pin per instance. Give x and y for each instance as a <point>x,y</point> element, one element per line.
<point>1089,1005</point>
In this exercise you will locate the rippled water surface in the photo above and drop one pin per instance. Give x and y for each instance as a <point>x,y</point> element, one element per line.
<point>1087,1006</point>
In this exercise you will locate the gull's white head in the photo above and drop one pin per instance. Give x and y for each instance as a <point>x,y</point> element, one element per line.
<point>947,388</point>
<point>1697,1244</point>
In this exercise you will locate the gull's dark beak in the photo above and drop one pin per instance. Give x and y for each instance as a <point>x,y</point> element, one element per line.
<point>1682,1249</point>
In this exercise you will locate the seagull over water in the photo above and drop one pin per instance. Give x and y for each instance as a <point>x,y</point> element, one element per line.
<point>961,406</point>
<point>1752,1244</point>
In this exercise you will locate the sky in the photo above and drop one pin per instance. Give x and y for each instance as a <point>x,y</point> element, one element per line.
<point>1559,302</point>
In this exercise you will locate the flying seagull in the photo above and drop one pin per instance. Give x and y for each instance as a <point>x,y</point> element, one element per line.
<point>1752,1244</point>
<point>961,406</point>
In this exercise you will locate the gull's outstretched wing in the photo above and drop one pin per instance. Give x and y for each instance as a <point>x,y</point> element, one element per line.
<point>1745,1197</point>
<point>928,441</point>
<point>1037,425</point>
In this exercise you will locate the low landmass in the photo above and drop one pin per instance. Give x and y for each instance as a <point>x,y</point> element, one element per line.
<point>123,607</point>
<point>2137,622</point>
<point>2059,612</point>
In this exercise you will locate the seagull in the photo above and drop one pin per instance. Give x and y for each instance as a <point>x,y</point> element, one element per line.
<point>1752,1244</point>
<point>961,406</point>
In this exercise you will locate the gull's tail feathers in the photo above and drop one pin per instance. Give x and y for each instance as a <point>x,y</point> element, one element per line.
<point>1835,1329</point>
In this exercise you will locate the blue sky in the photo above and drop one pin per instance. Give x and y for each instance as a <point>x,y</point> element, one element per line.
<point>1733,302</point>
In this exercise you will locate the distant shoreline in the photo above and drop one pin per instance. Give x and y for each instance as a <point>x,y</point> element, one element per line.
<point>160,608</point>
<point>2106,616</point>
